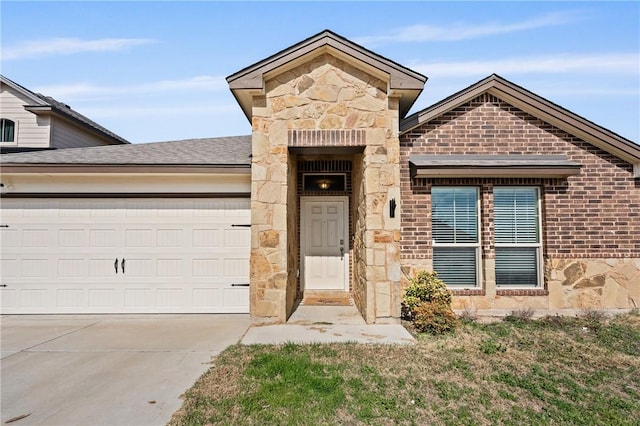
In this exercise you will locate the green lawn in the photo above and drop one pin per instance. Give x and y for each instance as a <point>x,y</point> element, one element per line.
<point>519,372</point>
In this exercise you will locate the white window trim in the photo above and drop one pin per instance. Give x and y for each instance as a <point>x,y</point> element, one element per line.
<point>15,132</point>
<point>537,246</point>
<point>478,245</point>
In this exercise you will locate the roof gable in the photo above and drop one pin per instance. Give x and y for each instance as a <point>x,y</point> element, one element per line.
<point>538,107</point>
<point>402,81</point>
<point>41,104</point>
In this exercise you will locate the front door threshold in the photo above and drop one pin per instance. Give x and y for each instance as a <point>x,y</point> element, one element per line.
<point>325,308</point>
<point>326,298</point>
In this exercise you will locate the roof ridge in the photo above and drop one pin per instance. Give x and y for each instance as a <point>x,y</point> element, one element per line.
<point>62,108</point>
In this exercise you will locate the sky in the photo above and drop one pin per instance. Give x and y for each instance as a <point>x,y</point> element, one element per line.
<point>155,71</point>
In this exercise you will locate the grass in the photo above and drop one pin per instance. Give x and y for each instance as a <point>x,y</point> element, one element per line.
<point>555,371</point>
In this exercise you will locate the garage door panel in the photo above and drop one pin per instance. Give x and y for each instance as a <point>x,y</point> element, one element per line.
<point>139,297</point>
<point>206,237</point>
<point>103,237</point>
<point>180,256</point>
<point>101,267</point>
<point>103,298</point>
<point>37,238</point>
<point>170,268</point>
<point>235,268</point>
<point>170,238</point>
<point>237,237</point>
<point>235,297</point>
<point>206,268</point>
<point>73,237</point>
<point>71,298</point>
<point>170,297</point>
<point>10,268</point>
<point>238,209</point>
<point>35,267</point>
<point>73,268</point>
<point>206,297</point>
<point>36,298</point>
<point>139,237</point>
<point>9,237</point>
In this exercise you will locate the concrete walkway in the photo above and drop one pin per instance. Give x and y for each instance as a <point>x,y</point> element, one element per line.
<point>327,324</point>
<point>106,370</point>
<point>132,369</point>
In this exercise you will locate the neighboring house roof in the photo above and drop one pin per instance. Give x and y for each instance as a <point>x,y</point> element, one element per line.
<point>403,82</point>
<point>46,105</point>
<point>224,152</point>
<point>538,107</point>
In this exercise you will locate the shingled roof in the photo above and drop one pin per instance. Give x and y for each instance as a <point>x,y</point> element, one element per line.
<point>234,151</point>
<point>538,107</point>
<point>43,103</point>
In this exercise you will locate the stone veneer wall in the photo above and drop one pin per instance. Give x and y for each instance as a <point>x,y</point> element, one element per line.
<point>359,284</point>
<point>325,102</point>
<point>591,221</point>
<point>293,237</point>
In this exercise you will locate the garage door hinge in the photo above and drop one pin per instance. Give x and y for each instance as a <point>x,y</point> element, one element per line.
<point>242,226</point>
<point>3,285</point>
<point>240,285</point>
<point>4,226</point>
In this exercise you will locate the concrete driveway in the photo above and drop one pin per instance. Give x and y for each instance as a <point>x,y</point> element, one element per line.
<point>106,370</point>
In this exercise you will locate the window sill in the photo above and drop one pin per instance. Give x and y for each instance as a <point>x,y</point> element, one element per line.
<point>522,292</point>
<point>468,292</point>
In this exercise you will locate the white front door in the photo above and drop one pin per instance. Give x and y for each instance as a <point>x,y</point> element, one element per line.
<point>324,243</point>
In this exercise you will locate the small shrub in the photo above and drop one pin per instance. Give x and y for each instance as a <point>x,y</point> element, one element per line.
<point>593,318</point>
<point>427,303</point>
<point>469,316</point>
<point>434,318</point>
<point>426,287</point>
<point>520,315</point>
<point>554,321</point>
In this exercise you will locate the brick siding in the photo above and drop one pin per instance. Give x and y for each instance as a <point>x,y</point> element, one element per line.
<point>595,214</point>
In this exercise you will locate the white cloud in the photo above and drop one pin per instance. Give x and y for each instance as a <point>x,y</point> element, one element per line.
<point>84,91</point>
<point>466,31</point>
<point>155,111</point>
<point>69,46</point>
<point>609,63</point>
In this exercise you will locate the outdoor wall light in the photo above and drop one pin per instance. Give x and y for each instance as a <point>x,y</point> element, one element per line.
<point>392,207</point>
<point>324,184</point>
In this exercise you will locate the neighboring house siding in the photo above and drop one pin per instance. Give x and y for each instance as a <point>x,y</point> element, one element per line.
<point>32,131</point>
<point>590,222</point>
<point>66,135</point>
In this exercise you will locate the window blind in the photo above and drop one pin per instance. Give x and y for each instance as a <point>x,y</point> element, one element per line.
<point>517,236</point>
<point>455,234</point>
<point>456,266</point>
<point>454,213</point>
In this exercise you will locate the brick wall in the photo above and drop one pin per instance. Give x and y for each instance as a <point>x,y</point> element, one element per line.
<point>593,214</point>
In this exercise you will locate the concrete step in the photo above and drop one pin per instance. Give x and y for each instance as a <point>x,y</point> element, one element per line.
<point>326,298</point>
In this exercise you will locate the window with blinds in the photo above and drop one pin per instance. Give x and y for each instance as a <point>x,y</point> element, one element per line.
<point>517,236</point>
<point>456,245</point>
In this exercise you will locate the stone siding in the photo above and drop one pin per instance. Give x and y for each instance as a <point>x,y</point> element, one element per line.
<point>588,219</point>
<point>325,103</point>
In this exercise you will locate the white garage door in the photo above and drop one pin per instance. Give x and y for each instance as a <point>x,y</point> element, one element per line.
<point>125,255</point>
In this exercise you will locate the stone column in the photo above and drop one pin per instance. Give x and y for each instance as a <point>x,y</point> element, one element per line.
<point>268,262</point>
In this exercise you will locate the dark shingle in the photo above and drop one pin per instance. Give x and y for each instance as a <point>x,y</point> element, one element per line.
<point>75,115</point>
<point>233,150</point>
<point>61,108</point>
